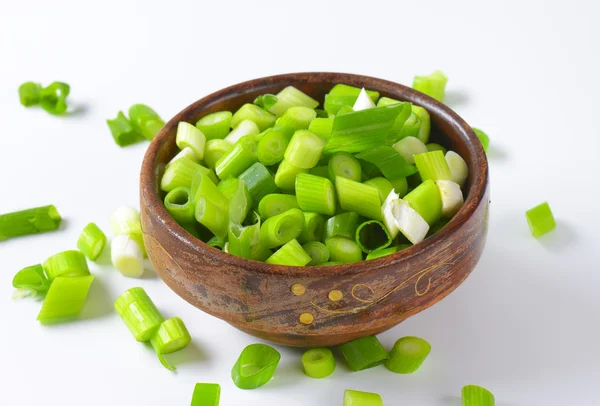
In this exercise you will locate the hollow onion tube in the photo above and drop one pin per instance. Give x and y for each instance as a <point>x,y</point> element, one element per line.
<point>344,95</point>
<point>203,186</point>
<point>317,251</point>
<point>483,138</point>
<point>255,366</point>
<point>215,125</point>
<point>181,173</point>
<point>358,398</point>
<point>285,177</point>
<point>342,225</point>
<point>212,216</point>
<point>184,153</point>
<point>239,203</point>
<point>433,85</point>
<point>432,165</point>
<point>228,187</point>
<point>383,186</point>
<point>297,118</point>
<point>274,204</point>
<point>315,194</point>
<point>473,395</point>
<point>452,197</point>
<point>236,161</point>
<point>29,93</point>
<point>242,239</point>
<point>372,235</point>
<point>145,121</point>
<point>127,255</point>
<point>266,101</point>
<point>361,130</point>
<point>425,119</point>
<point>426,200</point>
<point>363,353</point>
<point>53,98</point>
<point>345,165</point>
<point>343,250</point>
<point>290,97</point>
<point>139,313</point>
<point>318,362</point>
<point>290,254</point>
<point>188,136</point>
<point>408,147</point>
<point>280,229</point>
<point>65,297</point>
<point>322,127</point>
<point>262,118</point>
<point>358,197</point>
<point>407,355</point>
<point>411,126</point>
<point>391,164</point>
<point>409,221</point>
<point>458,167</point>
<point>125,220</point>
<point>246,128</point>
<point>313,228</point>
<point>271,146</point>
<point>206,394</point>
<point>259,181</point>
<point>395,132</point>
<point>91,241</point>
<point>32,280</point>
<point>171,336</point>
<point>305,149</point>
<point>214,150</point>
<point>386,251</point>
<point>66,263</point>
<point>400,186</point>
<point>180,205</point>
<point>30,221</point>
<point>540,219</point>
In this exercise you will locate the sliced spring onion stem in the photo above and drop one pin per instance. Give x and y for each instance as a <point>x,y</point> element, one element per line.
<point>458,167</point>
<point>255,366</point>
<point>372,235</point>
<point>127,256</point>
<point>240,158</point>
<point>342,225</point>
<point>188,136</point>
<point>274,204</point>
<point>285,178</point>
<point>53,98</point>
<point>483,137</point>
<point>266,101</point>
<point>180,205</point>
<point>259,181</point>
<point>322,171</point>
<point>30,221</point>
<point>215,125</point>
<point>145,121</point>
<point>313,228</point>
<point>290,97</point>
<point>358,197</point>
<point>408,147</point>
<point>315,194</point>
<point>297,118</point>
<point>391,164</point>
<point>322,127</point>
<point>91,241</point>
<point>363,353</point>
<point>540,219</point>
<point>425,120</point>
<point>343,250</point>
<point>171,336</point>
<point>318,362</point>
<point>433,85</point>
<point>407,355</point>
<point>203,186</point>
<point>206,394</point>
<point>383,186</point>
<point>212,216</point>
<point>432,165</point>
<point>262,118</point>
<point>426,200</point>
<point>358,398</point>
<point>290,254</point>
<point>29,93</point>
<point>345,165</point>
<point>214,150</point>
<point>433,146</point>
<point>66,263</point>
<point>282,228</point>
<point>65,297</point>
<point>271,146</point>
<point>242,239</point>
<point>410,223</point>
<point>33,279</point>
<point>452,197</point>
<point>181,173</point>
<point>473,395</point>
<point>317,251</point>
<point>305,149</point>
<point>184,153</point>
<point>139,313</point>
<point>239,203</point>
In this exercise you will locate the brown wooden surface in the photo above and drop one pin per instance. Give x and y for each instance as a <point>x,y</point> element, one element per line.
<point>257,298</point>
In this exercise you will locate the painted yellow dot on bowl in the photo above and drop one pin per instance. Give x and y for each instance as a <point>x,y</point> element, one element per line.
<point>306,318</point>
<point>335,295</point>
<point>298,289</point>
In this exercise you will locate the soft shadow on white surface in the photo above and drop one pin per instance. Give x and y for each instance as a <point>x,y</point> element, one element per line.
<point>77,109</point>
<point>192,354</point>
<point>104,258</point>
<point>560,239</point>
<point>98,302</point>
<point>496,153</point>
<point>456,98</point>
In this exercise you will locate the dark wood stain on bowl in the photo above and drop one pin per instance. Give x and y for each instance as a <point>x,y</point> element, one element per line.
<point>376,295</point>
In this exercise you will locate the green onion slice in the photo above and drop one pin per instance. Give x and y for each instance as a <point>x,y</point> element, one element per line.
<point>540,219</point>
<point>358,398</point>
<point>363,353</point>
<point>389,162</point>
<point>53,98</point>
<point>139,313</point>
<point>372,235</point>
<point>206,394</point>
<point>407,355</point>
<point>291,254</point>
<point>65,297</point>
<point>30,221</point>
<point>473,395</point>
<point>171,336</point>
<point>318,362</point>
<point>31,279</point>
<point>255,366</point>
<point>66,263</point>
<point>91,241</point>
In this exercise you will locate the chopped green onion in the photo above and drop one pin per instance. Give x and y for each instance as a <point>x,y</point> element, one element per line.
<point>259,181</point>
<point>345,165</point>
<point>485,140</point>
<point>396,133</point>
<point>189,136</point>
<point>358,197</point>
<point>409,221</point>
<point>391,164</point>
<point>432,146</point>
<point>171,336</point>
<point>125,220</point>
<point>274,204</point>
<point>318,362</point>
<point>123,131</point>
<point>290,97</point>
<point>145,120</point>
<point>473,395</point>
<point>30,221</point>
<point>540,219</point>
<point>262,118</point>
<point>217,242</point>
<point>322,171</point>
<point>297,118</point>
<point>317,251</point>
<point>127,255</point>
<point>242,240</point>
<point>322,127</point>
<point>282,228</point>
<point>266,101</point>
<point>315,194</point>
<point>255,366</point>
<point>139,313</point>
<point>187,153</point>
<point>362,353</point>
<point>386,251</point>
<point>342,225</point>
<point>260,253</point>
<point>345,110</point>
<point>411,126</point>
<point>243,129</point>
<point>291,254</point>
<point>383,186</point>
<point>361,130</point>
<point>433,85</point>
<point>29,93</point>
<point>65,297</point>
<point>458,167</point>
<point>228,187</point>
<point>53,98</point>
<point>433,165</point>
<point>400,186</point>
<point>372,235</point>
<point>271,146</point>
<point>66,263</point>
<point>343,250</point>
<point>215,125</point>
<point>181,173</point>
<point>305,149</point>
<point>212,216</point>
<point>313,228</point>
<point>388,213</point>
<point>239,203</point>
<point>214,150</point>
<point>91,241</point>
<point>452,197</point>
<point>425,120</point>
<point>285,178</point>
<point>180,205</point>
<point>206,394</point>
<point>358,398</point>
<point>203,186</point>
<point>408,147</point>
<point>363,101</point>
<point>407,355</point>
<point>344,95</point>
<point>426,200</point>
<point>33,279</point>
<point>236,161</point>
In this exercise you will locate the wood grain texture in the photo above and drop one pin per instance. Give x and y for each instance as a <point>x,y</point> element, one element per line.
<point>376,295</point>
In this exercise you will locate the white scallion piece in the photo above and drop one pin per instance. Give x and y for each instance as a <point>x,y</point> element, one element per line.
<point>387,213</point>
<point>187,152</point>
<point>363,101</point>
<point>127,256</point>
<point>408,147</point>
<point>452,197</point>
<point>458,167</point>
<point>125,220</point>
<point>245,127</point>
<point>409,222</point>
<point>188,136</point>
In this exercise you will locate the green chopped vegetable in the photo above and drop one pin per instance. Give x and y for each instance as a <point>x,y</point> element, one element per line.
<point>29,93</point>
<point>433,85</point>
<point>345,165</point>
<point>426,200</point>
<point>483,137</point>
<point>372,235</point>
<point>271,147</point>
<point>313,228</point>
<point>123,131</point>
<point>432,165</point>
<point>540,219</point>
<point>31,280</point>
<point>358,398</point>
<point>215,125</point>
<point>53,98</point>
<point>30,221</point>
<point>255,366</point>
<point>305,149</point>
<point>291,254</point>
<point>214,150</point>
<point>65,297</point>
<point>206,394</point>
<point>238,159</point>
<point>91,241</point>
<point>285,178</point>
<point>318,362</point>
<point>315,194</point>
<point>342,225</point>
<point>317,251</point>
<point>383,186</point>
<point>344,250</point>
<point>363,353</point>
<point>145,121</point>
<point>391,164</point>
<point>262,118</point>
<point>139,313</point>
<point>473,395</point>
<point>282,228</point>
<point>274,204</point>
<point>358,197</point>
<point>171,336</point>
<point>189,136</point>
<point>66,263</point>
<point>407,355</point>
<point>259,181</point>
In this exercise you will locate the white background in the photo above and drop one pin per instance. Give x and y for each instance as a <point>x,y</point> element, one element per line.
<point>525,324</point>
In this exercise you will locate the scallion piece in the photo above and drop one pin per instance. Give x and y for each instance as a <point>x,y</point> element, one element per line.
<point>66,263</point>
<point>408,220</point>
<point>383,186</point>
<point>260,253</point>
<point>139,313</point>
<point>363,353</point>
<point>483,137</point>
<point>386,251</point>
<point>322,127</point>
<point>262,118</point>
<point>180,205</point>
<point>31,279</point>
<point>184,153</point>
<point>540,219</point>
<point>297,118</point>
<point>358,197</point>
<point>259,181</point>
<point>206,394</point>
<point>433,165</point>
<point>473,395</point>
<point>171,336</point>
<point>372,235</point>
<point>408,147</point>
<point>313,228</point>
<point>255,366</point>
<point>212,216</point>
<point>318,362</point>
<point>433,85</point>
<point>282,228</point>
<point>344,95</point>
<point>345,165</point>
<point>400,186</point>
<point>29,93</point>
<point>266,101</point>
<point>239,203</point>
<point>181,173</point>
<point>358,398</point>
<point>65,297</point>
<point>145,121</point>
<point>215,125</point>
<point>425,120</point>
<point>432,146</point>
<point>388,213</point>
<point>343,250</point>
<point>315,194</point>
<point>203,186</point>
<point>342,225</point>
<point>290,97</point>
<point>274,204</point>
<point>30,221</point>
<point>271,146</point>
<point>345,110</point>
<point>214,150</point>
<point>243,129</point>
<point>391,164</point>
<point>127,255</point>
<point>426,200</point>
<point>285,178</point>
<point>91,241</point>
<point>125,220</point>
<point>317,251</point>
<point>242,239</point>
<point>123,131</point>
<point>188,136</point>
<point>53,98</point>
<point>411,126</point>
<point>407,355</point>
<point>458,167</point>
<point>305,149</point>
<point>396,133</point>
<point>236,161</point>
<point>361,130</point>
<point>452,197</point>
<point>290,254</point>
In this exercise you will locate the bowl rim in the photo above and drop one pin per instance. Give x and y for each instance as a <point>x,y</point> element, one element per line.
<point>478,181</point>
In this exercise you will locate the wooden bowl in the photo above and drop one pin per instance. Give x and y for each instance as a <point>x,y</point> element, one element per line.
<point>316,306</point>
